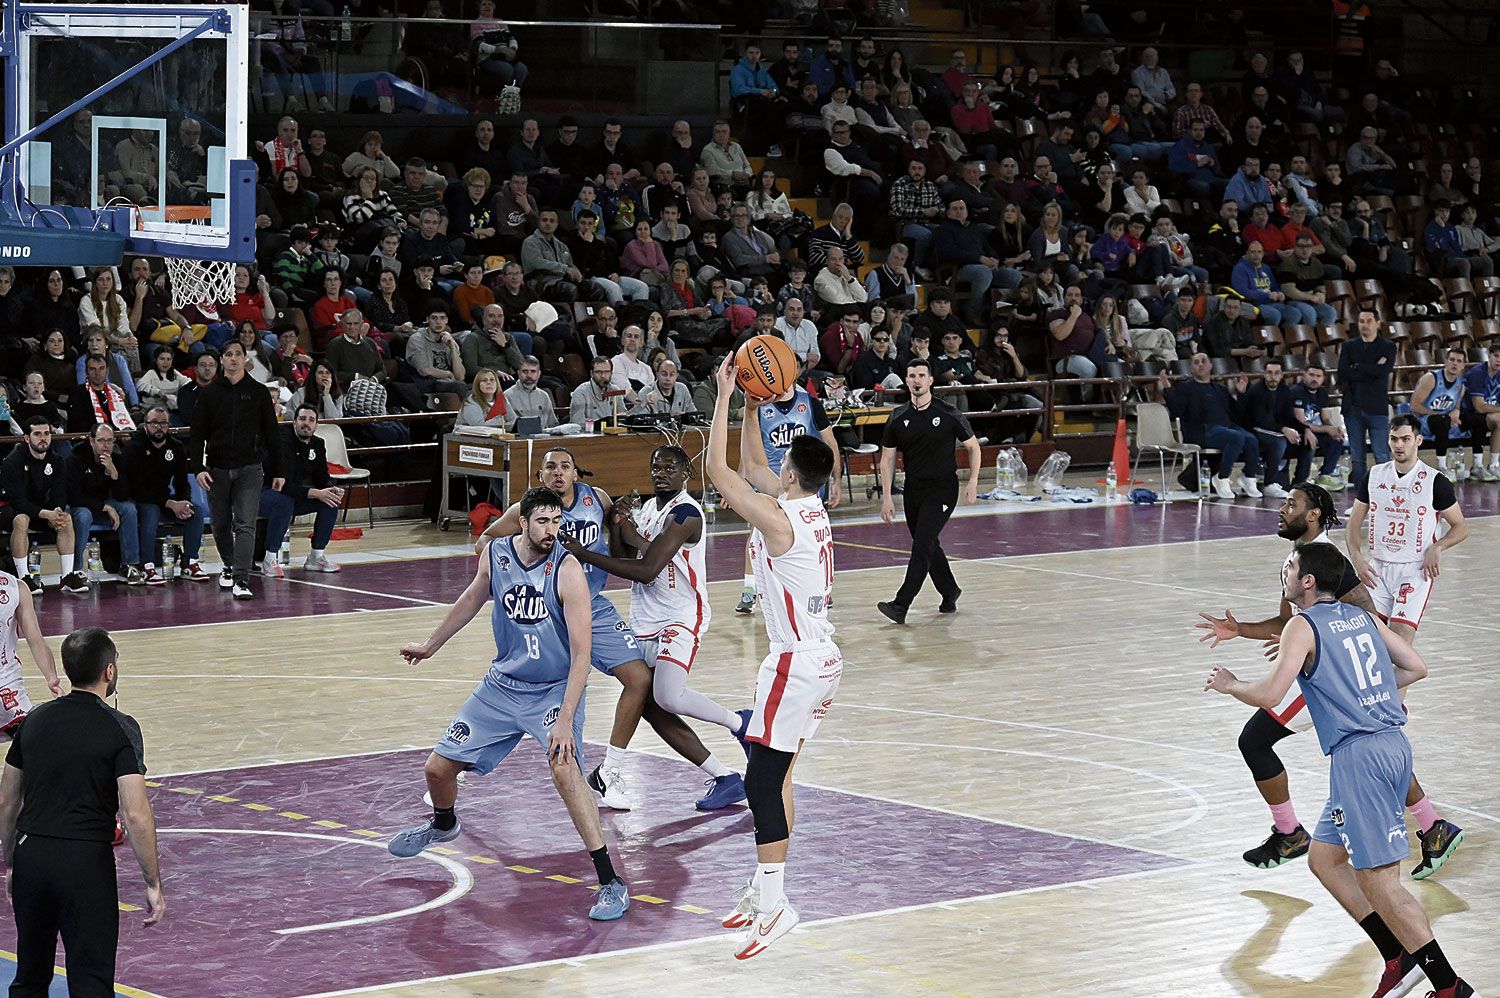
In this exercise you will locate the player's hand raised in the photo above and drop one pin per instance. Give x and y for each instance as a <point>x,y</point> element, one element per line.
<point>1220,629</point>
<point>1220,680</point>
<point>724,377</point>
<point>416,653</point>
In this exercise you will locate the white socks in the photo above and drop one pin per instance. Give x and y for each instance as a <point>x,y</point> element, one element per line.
<point>67,563</point>
<point>749,583</point>
<point>614,758</point>
<point>769,877</point>
<point>713,767</point>
<point>21,567</point>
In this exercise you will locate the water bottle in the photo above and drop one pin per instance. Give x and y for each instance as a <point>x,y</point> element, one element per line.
<point>710,502</point>
<point>1005,472</point>
<point>1203,478</point>
<point>94,562</point>
<point>346,28</point>
<point>34,560</point>
<point>168,560</point>
<point>285,554</point>
<point>1111,481</point>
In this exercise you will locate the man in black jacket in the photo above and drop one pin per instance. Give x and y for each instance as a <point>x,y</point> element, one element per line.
<point>1365,366</point>
<point>34,481</point>
<point>100,494</point>
<point>304,461</point>
<point>1208,419</point>
<point>236,424</point>
<point>156,466</point>
<point>1266,411</point>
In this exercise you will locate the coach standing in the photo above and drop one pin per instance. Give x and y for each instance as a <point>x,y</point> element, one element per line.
<point>924,431</point>
<point>75,763</point>
<point>235,420</point>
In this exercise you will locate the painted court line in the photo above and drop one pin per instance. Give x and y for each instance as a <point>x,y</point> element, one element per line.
<point>727,936</point>
<point>463,880</point>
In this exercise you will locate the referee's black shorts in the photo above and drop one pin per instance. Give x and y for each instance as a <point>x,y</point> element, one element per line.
<point>67,887</point>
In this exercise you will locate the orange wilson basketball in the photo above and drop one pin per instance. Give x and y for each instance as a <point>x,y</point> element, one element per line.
<point>766,367</point>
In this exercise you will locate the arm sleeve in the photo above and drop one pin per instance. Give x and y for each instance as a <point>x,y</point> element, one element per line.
<point>820,415</point>
<point>13,755</point>
<point>294,489</point>
<point>888,435</point>
<point>961,429</point>
<point>1362,493</point>
<point>1442,493</point>
<point>130,760</point>
<point>269,436</point>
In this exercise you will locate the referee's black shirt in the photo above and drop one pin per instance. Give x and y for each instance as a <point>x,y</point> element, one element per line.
<point>70,752</point>
<point>925,438</point>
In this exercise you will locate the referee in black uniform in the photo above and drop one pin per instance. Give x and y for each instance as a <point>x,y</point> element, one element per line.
<point>924,431</point>
<point>75,763</point>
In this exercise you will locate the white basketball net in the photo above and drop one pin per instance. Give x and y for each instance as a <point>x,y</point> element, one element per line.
<point>197,281</point>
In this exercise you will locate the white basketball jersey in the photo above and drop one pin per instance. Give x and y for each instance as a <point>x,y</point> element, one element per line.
<point>794,587</point>
<point>679,595</point>
<point>13,700</point>
<point>1402,519</point>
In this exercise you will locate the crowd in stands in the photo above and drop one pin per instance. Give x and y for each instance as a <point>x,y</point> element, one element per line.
<point>1112,217</point>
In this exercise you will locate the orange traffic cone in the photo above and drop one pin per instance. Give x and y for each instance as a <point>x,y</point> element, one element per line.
<point>1122,455</point>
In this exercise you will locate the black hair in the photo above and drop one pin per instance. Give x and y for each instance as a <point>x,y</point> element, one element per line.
<point>94,430</point>
<point>86,653</point>
<point>37,419</point>
<point>811,460</point>
<point>305,405</point>
<point>1324,562</point>
<point>678,454</point>
<point>918,362</point>
<point>1408,420</point>
<point>1321,500</point>
<point>539,498</point>
<point>571,456</point>
<point>1365,308</point>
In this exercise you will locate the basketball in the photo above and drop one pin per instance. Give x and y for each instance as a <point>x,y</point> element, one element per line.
<point>766,367</point>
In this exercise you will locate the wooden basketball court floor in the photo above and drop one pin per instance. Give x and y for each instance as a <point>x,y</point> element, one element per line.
<point>1030,796</point>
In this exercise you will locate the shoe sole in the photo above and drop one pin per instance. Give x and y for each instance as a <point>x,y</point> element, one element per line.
<point>704,805</point>
<point>1442,858</point>
<point>600,797</point>
<point>891,615</point>
<point>612,917</point>
<point>1274,863</point>
<point>734,920</point>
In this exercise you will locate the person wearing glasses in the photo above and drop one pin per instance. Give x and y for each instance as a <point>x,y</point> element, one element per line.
<point>876,367</point>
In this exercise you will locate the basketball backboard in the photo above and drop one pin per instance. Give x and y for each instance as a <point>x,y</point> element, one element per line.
<point>133,118</point>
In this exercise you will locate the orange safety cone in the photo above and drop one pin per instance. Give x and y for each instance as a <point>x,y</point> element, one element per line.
<point>1122,454</point>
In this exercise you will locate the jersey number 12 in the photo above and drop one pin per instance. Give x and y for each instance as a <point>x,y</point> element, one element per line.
<point>1365,674</point>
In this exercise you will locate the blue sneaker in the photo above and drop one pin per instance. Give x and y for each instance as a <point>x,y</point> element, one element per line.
<point>414,840</point>
<point>739,736</point>
<point>612,903</point>
<point>722,792</point>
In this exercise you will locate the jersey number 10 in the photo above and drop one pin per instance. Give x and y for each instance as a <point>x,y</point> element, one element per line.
<point>1366,675</point>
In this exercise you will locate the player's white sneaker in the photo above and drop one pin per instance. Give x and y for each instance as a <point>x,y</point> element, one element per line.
<point>745,905</point>
<point>608,784</point>
<point>765,929</point>
<point>427,797</point>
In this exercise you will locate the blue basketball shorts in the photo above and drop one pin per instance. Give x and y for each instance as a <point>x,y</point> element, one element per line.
<point>614,644</point>
<point>491,722</point>
<point>1366,811</point>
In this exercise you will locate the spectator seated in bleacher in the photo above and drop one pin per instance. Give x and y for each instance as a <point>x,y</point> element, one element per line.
<point>156,474</point>
<point>666,394</point>
<point>1255,283</point>
<point>1302,277</point>
<point>323,316</point>
<point>1267,411</point>
<point>99,497</point>
<point>485,406</point>
<point>892,281</point>
<point>527,155</point>
<point>97,400</point>
<point>371,153</point>
<point>304,465</point>
<point>526,399</point>
<point>427,240</point>
<point>34,485</point>
<point>837,284</point>
<point>490,346</point>
<point>433,354</point>
<point>966,247</point>
<point>321,390</point>
<point>104,307</point>
<point>725,160</point>
<point>161,383</point>
<point>752,253</point>
<point>472,296</point>
<point>1445,253</point>
<point>1247,187</point>
<point>494,50</point>
<point>1227,334</point>
<point>1321,429</point>
<point>589,400</point>
<point>1371,169</point>
<point>755,97</point>
<point>1300,88</point>
<point>548,263</point>
<point>1209,416</point>
<point>471,216</point>
<point>848,162</point>
<point>55,364</point>
<point>1195,163</point>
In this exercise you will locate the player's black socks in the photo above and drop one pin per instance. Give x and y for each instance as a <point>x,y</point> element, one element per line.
<point>443,818</point>
<point>1380,934</point>
<point>602,866</point>
<point>1435,965</point>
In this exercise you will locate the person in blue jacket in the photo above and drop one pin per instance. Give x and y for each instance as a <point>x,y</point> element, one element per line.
<point>756,101</point>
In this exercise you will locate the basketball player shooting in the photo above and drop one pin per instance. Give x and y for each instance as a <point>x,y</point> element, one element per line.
<point>791,549</point>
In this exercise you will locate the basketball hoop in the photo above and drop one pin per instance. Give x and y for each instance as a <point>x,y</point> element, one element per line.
<point>195,282</point>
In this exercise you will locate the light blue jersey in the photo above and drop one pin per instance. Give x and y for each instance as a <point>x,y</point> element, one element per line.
<point>1446,395</point>
<point>1350,685</point>
<point>584,521</point>
<point>778,427</point>
<point>531,635</point>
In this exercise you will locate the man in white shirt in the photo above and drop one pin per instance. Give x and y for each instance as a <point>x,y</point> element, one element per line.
<point>630,372</point>
<point>800,334</point>
<point>836,283</point>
